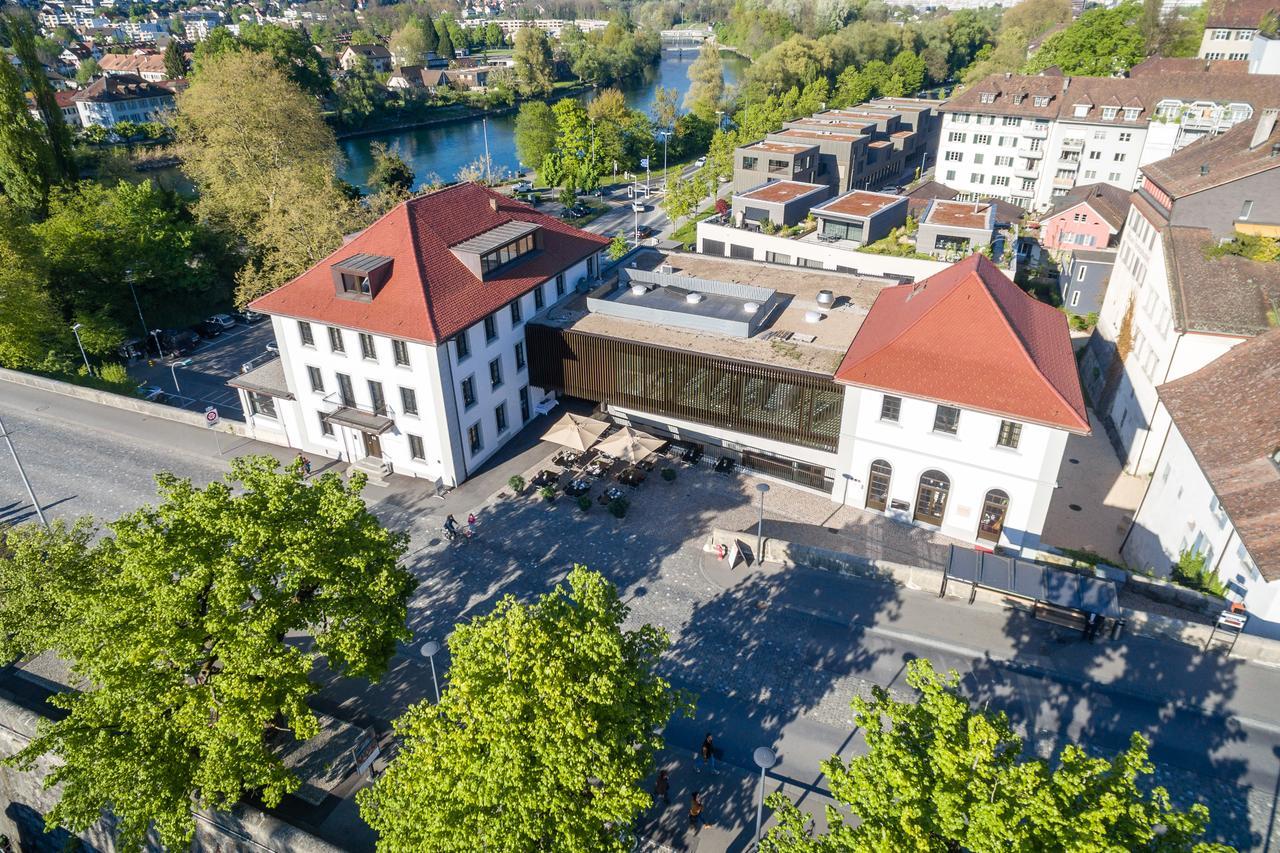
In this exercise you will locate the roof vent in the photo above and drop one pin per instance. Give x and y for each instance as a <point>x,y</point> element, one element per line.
<point>639,290</point>
<point>751,307</point>
<point>693,298</point>
<point>666,269</point>
<point>826,297</point>
<point>813,316</point>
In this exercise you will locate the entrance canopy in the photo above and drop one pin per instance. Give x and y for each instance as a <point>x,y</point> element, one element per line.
<point>575,431</point>
<point>367,422</point>
<point>1035,581</point>
<point>630,445</point>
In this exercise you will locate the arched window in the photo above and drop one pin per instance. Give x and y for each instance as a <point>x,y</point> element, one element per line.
<point>878,485</point>
<point>931,497</point>
<point>994,510</point>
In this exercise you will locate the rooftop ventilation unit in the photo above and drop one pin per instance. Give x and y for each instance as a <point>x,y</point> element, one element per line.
<point>813,316</point>
<point>825,297</point>
<point>693,298</point>
<point>639,290</point>
<point>751,307</point>
<point>666,269</point>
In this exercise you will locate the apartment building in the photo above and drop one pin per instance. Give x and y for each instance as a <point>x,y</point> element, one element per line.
<point>1216,487</point>
<point>404,351</point>
<point>1170,308</point>
<point>778,203</point>
<point>1030,139</point>
<point>110,100</point>
<point>761,162</point>
<point>1230,27</point>
<point>955,229</point>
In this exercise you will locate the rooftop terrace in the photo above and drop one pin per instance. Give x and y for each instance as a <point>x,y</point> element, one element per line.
<point>781,191</point>
<point>858,203</point>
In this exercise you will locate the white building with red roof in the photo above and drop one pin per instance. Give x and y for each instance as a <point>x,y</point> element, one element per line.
<point>404,351</point>
<point>961,391</point>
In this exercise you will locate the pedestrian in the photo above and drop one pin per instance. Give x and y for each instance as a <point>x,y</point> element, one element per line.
<point>451,526</point>
<point>695,811</point>
<point>306,467</point>
<point>708,753</point>
<point>662,787</point>
<point>471,521</point>
<point>1091,626</point>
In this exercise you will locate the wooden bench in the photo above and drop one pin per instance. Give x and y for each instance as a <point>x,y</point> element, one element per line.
<point>1063,616</point>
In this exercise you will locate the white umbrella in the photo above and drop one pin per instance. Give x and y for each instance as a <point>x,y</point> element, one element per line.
<point>575,431</point>
<point>629,445</point>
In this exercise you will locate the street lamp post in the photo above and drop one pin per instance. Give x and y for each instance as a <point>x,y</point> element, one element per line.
<point>128,277</point>
<point>666,134</point>
<point>764,758</point>
<point>487,176</point>
<point>75,330</point>
<point>174,372</point>
<point>761,488</point>
<point>155,336</point>
<point>429,650</point>
<point>22,475</point>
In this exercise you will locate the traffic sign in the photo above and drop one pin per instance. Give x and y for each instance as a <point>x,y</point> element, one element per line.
<point>644,162</point>
<point>210,416</point>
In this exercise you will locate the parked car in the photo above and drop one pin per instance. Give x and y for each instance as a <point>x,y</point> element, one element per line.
<point>638,207</point>
<point>700,162</point>
<point>578,211</point>
<point>646,232</point>
<point>207,329</point>
<point>179,342</point>
<point>249,317</point>
<point>523,187</point>
<point>134,348</point>
<point>154,393</point>
<point>223,321</point>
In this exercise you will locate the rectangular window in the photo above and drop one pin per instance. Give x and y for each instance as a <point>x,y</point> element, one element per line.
<point>955,156</point>
<point>415,447</point>
<point>474,439</point>
<point>539,300</point>
<point>355,284</point>
<point>367,349</point>
<point>1010,433</point>
<point>262,404</point>
<point>495,373</point>
<point>1119,157</point>
<point>462,345</point>
<point>326,428</point>
<point>946,419</point>
<point>317,381</point>
<point>345,393</point>
<point>335,340</point>
<point>775,258</point>
<point>955,136</point>
<point>559,285</point>
<point>408,401</point>
<point>1000,180</point>
<point>1246,209</point>
<point>890,408</point>
<point>977,159</point>
<point>490,329</point>
<point>982,139</point>
<point>749,163</point>
<point>520,355</point>
<point>400,351</point>
<point>524,404</point>
<point>1126,137</point>
<point>468,392</point>
<point>500,418</point>
<point>951,174</point>
<point>1075,298</point>
<point>517,316</point>
<point>377,399</point>
<point>304,332</point>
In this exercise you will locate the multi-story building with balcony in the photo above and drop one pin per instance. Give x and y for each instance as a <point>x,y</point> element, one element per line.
<point>765,161</point>
<point>1230,27</point>
<point>1031,139</point>
<point>404,350</point>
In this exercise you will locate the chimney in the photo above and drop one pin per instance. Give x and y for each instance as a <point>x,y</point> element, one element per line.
<point>1066,83</point>
<point>1266,125</point>
<point>493,203</point>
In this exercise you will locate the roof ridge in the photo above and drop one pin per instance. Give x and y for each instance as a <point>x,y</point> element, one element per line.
<point>427,303</point>
<point>1022,343</point>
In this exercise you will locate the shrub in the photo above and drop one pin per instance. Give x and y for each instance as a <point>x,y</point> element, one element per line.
<point>618,507</point>
<point>548,493</point>
<point>584,502</point>
<point>669,474</point>
<point>1192,573</point>
<point>516,483</point>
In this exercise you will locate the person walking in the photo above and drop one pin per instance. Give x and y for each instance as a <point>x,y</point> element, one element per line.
<point>695,811</point>
<point>662,787</point>
<point>471,525</point>
<point>708,753</point>
<point>306,467</point>
<point>451,526</point>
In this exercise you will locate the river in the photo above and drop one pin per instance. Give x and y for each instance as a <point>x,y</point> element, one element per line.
<point>444,149</point>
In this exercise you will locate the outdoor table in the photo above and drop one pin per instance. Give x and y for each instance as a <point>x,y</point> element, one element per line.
<point>631,477</point>
<point>609,494</point>
<point>546,477</point>
<point>579,486</point>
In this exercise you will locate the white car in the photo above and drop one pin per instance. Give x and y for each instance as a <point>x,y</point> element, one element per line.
<point>700,162</point>
<point>522,187</point>
<point>223,321</point>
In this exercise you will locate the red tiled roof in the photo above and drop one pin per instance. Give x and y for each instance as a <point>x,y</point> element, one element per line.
<point>430,295</point>
<point>969,336</point>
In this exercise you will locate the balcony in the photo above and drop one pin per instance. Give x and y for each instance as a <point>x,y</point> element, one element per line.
<point>1073,165</point>
<point>1030,153</point>
<point>1021,193</point>
<point>1036,132</point>
<point>1073,145</point>
<point>1027,173</point>
<point>1064,183</point>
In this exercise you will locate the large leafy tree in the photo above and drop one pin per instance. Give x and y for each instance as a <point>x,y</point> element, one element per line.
<point>541,739</point>
<point>939,776</point>
<point>175,63</point>
<point>22,37</point>
<point>706,82</point>
<point>30,325</point>
<point>390,174</point>
<point>532,54</point>
<point>409,44</point>
<point>289,51</point>
<point>535,132</point>
<point>1101,42</point>
<point>183,622</point>
<point>26,160</point>
<point>265,164</point>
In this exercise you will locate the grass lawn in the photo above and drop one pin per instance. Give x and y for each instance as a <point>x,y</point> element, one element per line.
<point>688,233</point>
<point>597,209</point>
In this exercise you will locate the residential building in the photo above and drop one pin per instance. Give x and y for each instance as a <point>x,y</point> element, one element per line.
<point>945,403</point>
<point>66,99</point>
<point>149,65</point>
<point>842,153</point>
<point>378,57</point>
<point>552,26</point>
<point>418,79</point>
<point>1230,26</point>
<point>1216,487</point>
<point>859,217</point>
<point>122,97</point>
<point>404,350</point>
<point>1031,139</point>
<point>198,23</point>
<point>955,229</point>
<point>1156,66</point>
<point>779,203</point>
<point>1082,282</point>
<point>1090,215</point>
<point>1170,307</point>
<point>761,162</point>
<point>1264,53</point>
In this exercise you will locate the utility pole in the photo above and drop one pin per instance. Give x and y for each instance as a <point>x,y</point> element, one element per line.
<point>488,177</point>
<point>22,475</point>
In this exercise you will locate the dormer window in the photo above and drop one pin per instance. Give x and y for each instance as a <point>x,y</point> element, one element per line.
<point>506,254</point>
<point>359,277</point>
<point>1081,110</point>
<point>1109,113</point>
<point>1041,100</point>
<point>493,249</point>
<point>1131,113</point>
<point>1019,98</point>
<point>987,97</point>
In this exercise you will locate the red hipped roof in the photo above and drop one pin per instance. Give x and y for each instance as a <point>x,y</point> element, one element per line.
<point>430,295</point>
<point>970,337</point>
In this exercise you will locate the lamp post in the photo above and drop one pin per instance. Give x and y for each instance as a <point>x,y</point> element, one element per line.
<point>761,488</point>
<point>429,650</point>
<point>665,134</point>
<point>22,475</point>
<point>484,121</point>
<point>75,330</point>
<point>173,366</point>
<point>128,278</point>
<point>764,758</point>
<point>155,336</point>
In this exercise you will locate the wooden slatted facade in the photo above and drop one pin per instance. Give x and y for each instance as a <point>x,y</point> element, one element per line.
<point>793,406</point>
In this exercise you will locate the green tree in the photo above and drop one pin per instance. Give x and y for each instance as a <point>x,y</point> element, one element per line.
<point>444,41</point>
<point>88,70</point>
<point>666,107</point>
<point>409,43</point>
<point>175,64</point>
<point>264,161</point>
<point>1100,43</point>
<point>532,55</point>
<point>30,325</point>
<point>543,736</point>
<point>289,50</point>
<point>178,622</point>
<point>26,160</point>
<point>683,197</point>
<point>535,132</point>
<point>618,246</point>
<point>939,776</point>
<point>359,93</point>
<point>431,38</point>
<point>390,172</point>
<point>493,36</point>
<point>706,82</point>
<point>22,39</point>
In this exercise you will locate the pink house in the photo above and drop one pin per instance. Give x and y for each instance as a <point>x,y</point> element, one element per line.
<point>1088,217</point>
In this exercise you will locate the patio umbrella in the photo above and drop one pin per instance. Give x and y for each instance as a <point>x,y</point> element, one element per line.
<point>629,445</point>
<point>575,431</point>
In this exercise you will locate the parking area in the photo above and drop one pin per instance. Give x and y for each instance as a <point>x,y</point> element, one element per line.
<point>199,379</point>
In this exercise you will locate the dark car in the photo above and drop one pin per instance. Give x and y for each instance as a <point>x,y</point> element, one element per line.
<point>207,330</point>
<point>134,348</point>
<point>646,232</point>
<point>179,341</point>
<point>248,317</point>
